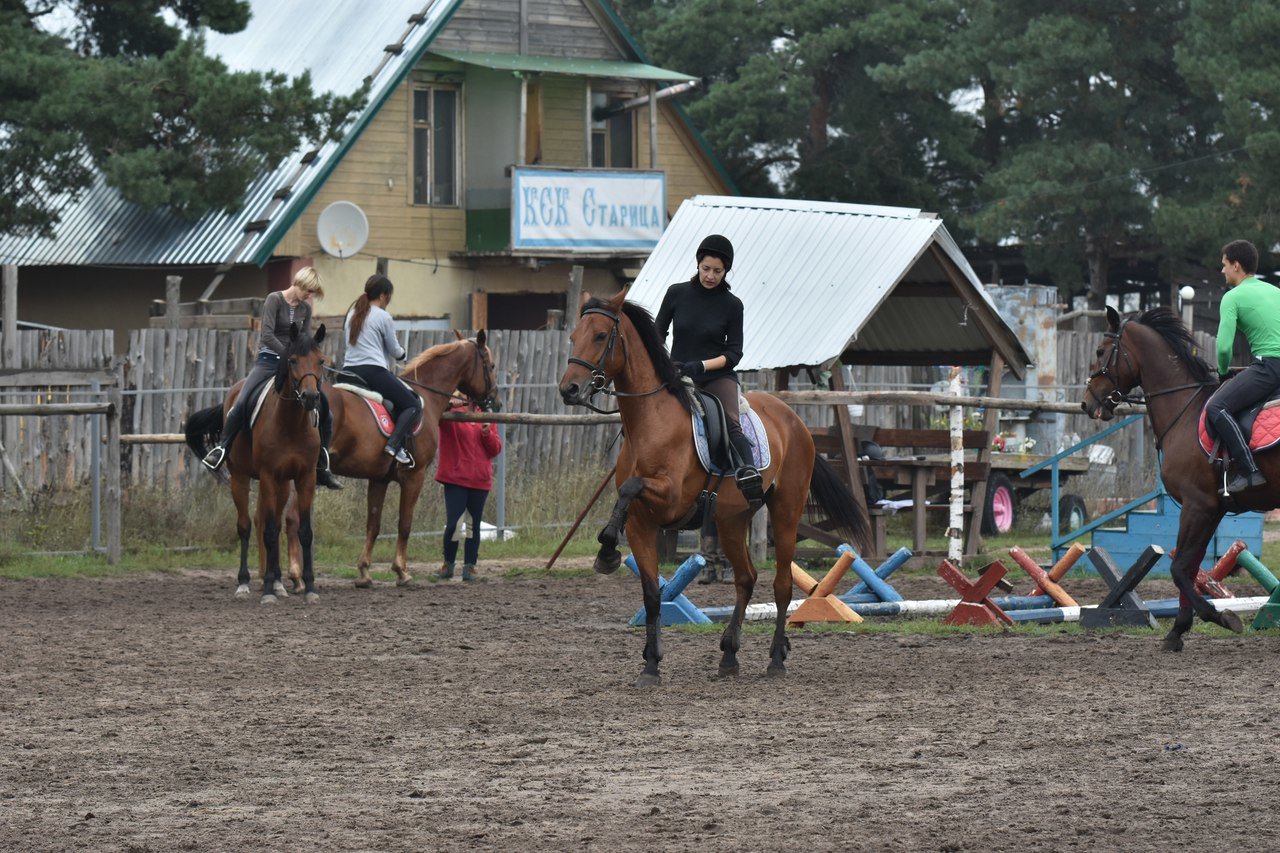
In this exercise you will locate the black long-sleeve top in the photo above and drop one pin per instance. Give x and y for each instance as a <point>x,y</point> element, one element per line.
<point>708,323</point>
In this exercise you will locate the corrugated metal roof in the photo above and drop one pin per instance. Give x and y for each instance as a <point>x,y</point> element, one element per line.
<point>816,279</point>
<point>565,65</point>
<point>340,43</point>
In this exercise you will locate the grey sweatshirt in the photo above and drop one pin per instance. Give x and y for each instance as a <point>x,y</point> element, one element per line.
<point>377,344</point>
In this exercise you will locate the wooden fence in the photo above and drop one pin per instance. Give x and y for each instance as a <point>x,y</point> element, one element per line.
<point>168,374</point>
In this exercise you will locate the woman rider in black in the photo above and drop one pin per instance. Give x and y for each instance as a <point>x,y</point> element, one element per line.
<point>707,344</point>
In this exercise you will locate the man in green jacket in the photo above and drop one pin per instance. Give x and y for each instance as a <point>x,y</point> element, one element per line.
<point>1253,307</point>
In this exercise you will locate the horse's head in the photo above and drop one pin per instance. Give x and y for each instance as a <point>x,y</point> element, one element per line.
<point>1116,370</point>
<point>596,355</point>
<point>480,383</point>
<point>301,368</point>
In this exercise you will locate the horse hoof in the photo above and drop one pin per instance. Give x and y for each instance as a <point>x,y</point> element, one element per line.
<point>364,583</point>
<point>728,671</point>
<point>404,580</point>
<point>312,598</point>
<point>607,564</point>
<point>776,670</point>
<point>1230,620</point>
<point>242,591</point>
<point>279,590</point>
<point>1173,643</point>
<point>647,679</point>
<point>268,599</point>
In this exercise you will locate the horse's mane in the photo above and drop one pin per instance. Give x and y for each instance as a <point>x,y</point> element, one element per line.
<point>642,320</point>
<point>437,351</point>
<point>1166,322</point>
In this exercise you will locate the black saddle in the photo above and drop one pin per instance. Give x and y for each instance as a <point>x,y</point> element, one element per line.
<point>1245,419</point>
<point>343,377</point>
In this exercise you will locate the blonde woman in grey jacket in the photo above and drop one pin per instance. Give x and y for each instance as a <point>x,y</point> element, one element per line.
<point>280,309</point>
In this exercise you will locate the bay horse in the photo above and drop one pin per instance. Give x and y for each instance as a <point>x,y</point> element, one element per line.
<point>1154,350</point>
<point>659,477</point>
<point>356,450</point>
<point>279,450</point>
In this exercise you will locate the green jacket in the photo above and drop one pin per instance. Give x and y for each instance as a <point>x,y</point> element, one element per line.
<point>1252,306</point>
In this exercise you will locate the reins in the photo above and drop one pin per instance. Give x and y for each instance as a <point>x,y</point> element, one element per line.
<point>599,380</point>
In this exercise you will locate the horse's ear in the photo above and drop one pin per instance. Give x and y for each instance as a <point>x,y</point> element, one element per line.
<point>582,301</point>
<point>615,304</point>
<point>481,337</point>
<point>293,331</point>
<point>319,334</point>
<point>458,335</point>
<point>1113,319</point>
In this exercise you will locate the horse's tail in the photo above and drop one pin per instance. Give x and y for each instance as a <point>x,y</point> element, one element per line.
<point>829,496</point>
<point>203,430</point>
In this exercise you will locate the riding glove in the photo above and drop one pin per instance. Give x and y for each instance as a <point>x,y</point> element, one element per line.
<point>691,368</point>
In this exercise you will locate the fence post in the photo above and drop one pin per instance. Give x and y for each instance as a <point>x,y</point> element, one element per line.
<point>10,307</point>
<point>172,301</point>
<point>115,396</point>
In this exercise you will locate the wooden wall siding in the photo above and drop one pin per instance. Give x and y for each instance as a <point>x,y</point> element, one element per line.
<point>564,116</point>
<point>168,375</point>
<point>483,26</point>
<point>567,28</point>
<point>397,227</point>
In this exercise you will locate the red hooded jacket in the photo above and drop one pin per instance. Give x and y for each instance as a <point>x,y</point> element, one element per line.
<point>466,449</point>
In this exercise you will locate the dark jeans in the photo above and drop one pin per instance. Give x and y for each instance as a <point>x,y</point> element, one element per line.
<point>459,499</point>
<point>408,407</point>
<point>1253,385</point>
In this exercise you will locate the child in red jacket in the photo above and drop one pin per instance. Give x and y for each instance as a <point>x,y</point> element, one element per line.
<point>464,465</point>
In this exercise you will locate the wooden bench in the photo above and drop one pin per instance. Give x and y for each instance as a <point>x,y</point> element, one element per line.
<point>917,465</point>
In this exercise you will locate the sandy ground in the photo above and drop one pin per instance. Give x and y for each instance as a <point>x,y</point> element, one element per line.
<point>158,713</point>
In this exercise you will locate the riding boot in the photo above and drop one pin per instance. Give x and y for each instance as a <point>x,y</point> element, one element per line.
<point>445,572</point>
<point>230,428</point>
<point>1247,474</point>
<point>324,476</point>
<point>395,444</point>
<point>747,476</point>
<point>708,572</point>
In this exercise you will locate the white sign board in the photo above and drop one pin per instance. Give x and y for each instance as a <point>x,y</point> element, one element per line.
<point>589,210</point>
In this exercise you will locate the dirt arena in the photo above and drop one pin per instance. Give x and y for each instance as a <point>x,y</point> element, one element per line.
<point>150,713</point>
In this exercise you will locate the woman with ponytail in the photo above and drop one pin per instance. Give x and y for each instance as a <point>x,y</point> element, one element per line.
<point>371,347</point>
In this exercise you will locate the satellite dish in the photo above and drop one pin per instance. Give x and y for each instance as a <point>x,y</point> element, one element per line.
<point>342,229</point>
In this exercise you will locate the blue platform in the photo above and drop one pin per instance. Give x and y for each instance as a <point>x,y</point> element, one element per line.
<point>1160,527</point>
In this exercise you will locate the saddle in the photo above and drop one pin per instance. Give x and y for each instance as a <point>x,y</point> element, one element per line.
<point>711,435</point>
<point>1260,425</point>
<point>383,409</point>
<point>255,397</point>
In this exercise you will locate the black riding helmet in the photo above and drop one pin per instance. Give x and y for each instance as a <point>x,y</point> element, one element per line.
<point>718,245</point>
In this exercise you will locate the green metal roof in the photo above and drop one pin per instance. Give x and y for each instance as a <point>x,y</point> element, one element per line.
<point>560,65</point>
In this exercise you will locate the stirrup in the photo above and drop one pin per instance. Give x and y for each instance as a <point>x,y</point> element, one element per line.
<point>751,484</point>
<point>215,457</point>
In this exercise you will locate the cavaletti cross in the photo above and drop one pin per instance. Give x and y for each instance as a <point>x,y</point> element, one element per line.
<point>1122,606</point>
<point>976,606</point>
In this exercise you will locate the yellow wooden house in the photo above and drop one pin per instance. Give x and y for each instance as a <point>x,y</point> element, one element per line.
<point>504,143</point>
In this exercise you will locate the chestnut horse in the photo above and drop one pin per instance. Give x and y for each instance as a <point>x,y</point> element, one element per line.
<point>660,478</point>
<point>356,449</point>
<point>1154,350</point>
<point>280,449</point>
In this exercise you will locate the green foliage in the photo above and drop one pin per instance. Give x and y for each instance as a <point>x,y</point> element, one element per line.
<point>1094,134</point>
<point>136,97</point>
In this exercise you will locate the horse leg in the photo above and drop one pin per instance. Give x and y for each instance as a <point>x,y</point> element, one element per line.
<point>786,507</point>
<point>410,489</point>
<point>240,496</point>
<point>302,507</point>
<point>377,494</point>
<point>291,535</point>
<point>1194,532</point>
<point>269,538</point>
<point>733,540</point>
<point>608,558</point>
<point>642,535</point>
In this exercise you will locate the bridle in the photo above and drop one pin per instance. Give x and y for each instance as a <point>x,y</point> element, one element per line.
<point>599,379</point>
<point>1116,397</point>
<point>488,401</point>
<point>297,393</point>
